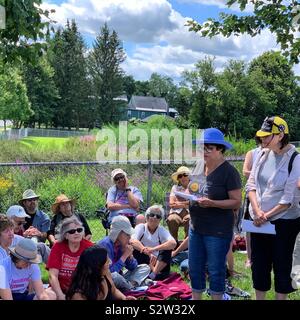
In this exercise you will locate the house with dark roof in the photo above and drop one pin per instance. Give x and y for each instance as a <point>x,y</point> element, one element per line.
<point>140,107</point>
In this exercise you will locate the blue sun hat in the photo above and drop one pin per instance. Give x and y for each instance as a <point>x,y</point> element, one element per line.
<point>214,136</point>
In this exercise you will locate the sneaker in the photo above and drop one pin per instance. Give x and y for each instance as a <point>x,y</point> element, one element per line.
<point>226,296</point>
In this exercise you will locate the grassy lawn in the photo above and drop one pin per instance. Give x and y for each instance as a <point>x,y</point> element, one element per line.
<point>243,282</point>
<point>44,142</point>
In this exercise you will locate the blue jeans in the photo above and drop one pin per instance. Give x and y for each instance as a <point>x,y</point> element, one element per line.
<point>207,253</point>
<point>182,259</point>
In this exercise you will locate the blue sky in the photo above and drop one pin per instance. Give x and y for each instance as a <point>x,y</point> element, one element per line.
<point>154,34</point>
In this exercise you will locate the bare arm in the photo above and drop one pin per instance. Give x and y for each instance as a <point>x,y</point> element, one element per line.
<point>53,280</point>
<point>39,290</point>
<point>168,245</point>
<point>176,204</point>
<point>183,246</point>
<point>247,166</point>
<point>5,294</point>
<point>234,201</point>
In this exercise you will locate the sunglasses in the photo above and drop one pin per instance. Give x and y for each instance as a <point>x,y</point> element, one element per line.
<point>154,215</point>
<point>209,149</point>
<point>119,178</point>
<point>182,175</point>
<point>32,199</point>
<point>21,223</point>
<point>72,231</point>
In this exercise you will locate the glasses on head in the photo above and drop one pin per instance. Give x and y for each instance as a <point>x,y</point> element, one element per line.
<point>182,175</point>
<point>208,149</point>
<point>72,231</point>
<point>155,215</point>
<point>119,178</point>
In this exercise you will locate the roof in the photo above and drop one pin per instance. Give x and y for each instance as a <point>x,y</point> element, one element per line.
<point>148,104</point>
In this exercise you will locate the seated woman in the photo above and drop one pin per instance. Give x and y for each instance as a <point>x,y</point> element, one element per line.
<point>65,254</point>
<point>92,279</point>
<point>18,270</point>
<point>179,214</point>
<point>153,244</point>
<point>120,254</point>
<point>64,208</point>
<point>123,199</point>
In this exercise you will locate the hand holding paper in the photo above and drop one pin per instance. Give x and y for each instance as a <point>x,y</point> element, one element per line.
<point>248,226</point>
<point>186,196</point>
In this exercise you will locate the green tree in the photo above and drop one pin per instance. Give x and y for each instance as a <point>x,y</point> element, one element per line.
<point>14,103</point>
<point>107,75</point>
<point>41,91</point>
<point>202,83</point>
<point>276,77</point>
<point>67,59</point>
<point>129,86</point>
<point>26,26</point>
<point>279,16</point>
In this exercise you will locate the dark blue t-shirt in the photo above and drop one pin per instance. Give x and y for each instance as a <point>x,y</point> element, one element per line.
<point>215,221</point>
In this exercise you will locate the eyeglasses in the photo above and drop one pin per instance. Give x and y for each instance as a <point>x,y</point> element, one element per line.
<point>208,149</point>
<point>33,199</point>
<point>119,178</point>
<point>182,175</point>
<point>72,231</point>
<point>154,215</point>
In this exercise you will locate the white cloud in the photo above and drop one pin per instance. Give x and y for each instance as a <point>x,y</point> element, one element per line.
<point>146,24</point>
<point>220,4</point>
<point>134,20</point>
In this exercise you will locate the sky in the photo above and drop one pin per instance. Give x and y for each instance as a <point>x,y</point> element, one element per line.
<point>154,35</point>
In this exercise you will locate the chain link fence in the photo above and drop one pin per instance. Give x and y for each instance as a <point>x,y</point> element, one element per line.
<point>87,182</point>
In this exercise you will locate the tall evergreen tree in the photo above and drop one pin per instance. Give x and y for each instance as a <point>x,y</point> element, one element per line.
<point>107,75</point>
<point>67,59</point>
<point>41,91</point>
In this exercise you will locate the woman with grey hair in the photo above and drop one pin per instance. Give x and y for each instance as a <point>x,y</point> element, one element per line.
<point>153,243</point>
<point>65,254</point>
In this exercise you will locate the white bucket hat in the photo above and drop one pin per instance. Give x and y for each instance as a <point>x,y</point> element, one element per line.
<point>26,250</point>
<point>118,224</point>
<point>117,171</point>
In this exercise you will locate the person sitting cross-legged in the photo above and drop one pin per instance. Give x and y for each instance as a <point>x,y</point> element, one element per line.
<point>153,243</point>
<point>16,214</point>
<point>18,270</point>
<point>62,209</point>
<point>120,252</point>
<point>37,221</point>
<point>65,254</point>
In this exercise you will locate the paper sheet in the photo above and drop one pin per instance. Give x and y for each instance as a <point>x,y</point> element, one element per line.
<point>248,226</point>
<point>186,195</point>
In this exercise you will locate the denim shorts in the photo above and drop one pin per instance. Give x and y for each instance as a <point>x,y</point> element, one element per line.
<point>207,253</point>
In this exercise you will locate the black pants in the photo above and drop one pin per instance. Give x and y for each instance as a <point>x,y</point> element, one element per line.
<point>274,251</point>
<point>164,255</point>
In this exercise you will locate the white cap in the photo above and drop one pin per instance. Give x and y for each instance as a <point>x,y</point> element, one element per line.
<point>16,211</point>
<point>117,171</point>
<point>118,224</point>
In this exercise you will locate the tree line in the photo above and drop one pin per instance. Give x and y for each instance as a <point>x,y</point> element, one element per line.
<point>69,85</point>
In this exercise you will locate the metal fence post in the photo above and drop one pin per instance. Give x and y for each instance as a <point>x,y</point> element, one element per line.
<point>149,186</point>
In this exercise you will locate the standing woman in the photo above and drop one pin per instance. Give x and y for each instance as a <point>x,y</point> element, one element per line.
<point>212,218</point>
<point>274,197</point>
<point>92,279</point>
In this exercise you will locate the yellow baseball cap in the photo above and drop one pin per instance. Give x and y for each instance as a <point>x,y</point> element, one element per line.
<point>272,125</point>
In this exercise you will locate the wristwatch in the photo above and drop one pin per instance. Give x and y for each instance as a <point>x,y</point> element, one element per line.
<point>127,189</point>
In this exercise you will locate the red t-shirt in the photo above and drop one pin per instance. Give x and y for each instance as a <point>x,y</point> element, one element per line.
<point>65,261</point>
